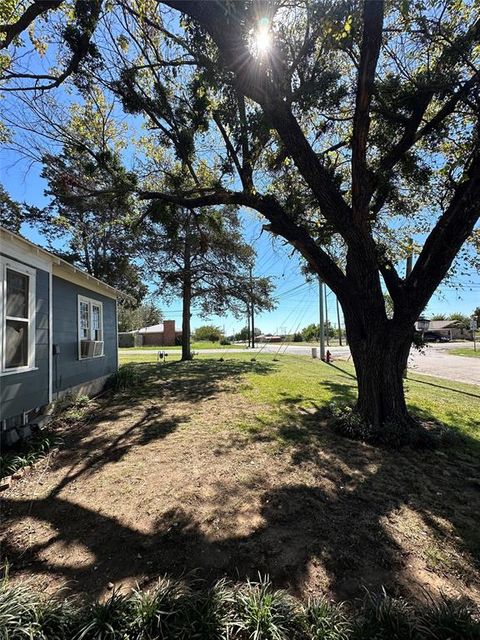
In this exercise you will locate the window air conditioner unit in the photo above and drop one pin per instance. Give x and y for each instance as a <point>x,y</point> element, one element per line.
<point>91,348</point>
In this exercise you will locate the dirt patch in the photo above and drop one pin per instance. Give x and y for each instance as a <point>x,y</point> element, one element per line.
<point>180,476</point>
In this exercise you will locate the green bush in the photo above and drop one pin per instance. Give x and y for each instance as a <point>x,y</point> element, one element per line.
<point>225,342</point>
<point>208,332</point>
<point>185,610</point>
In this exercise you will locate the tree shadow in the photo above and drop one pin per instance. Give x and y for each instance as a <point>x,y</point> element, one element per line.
<point>356,522</point>
<point>440,386</point>
<point>196,379</point>
<point>86,448</point>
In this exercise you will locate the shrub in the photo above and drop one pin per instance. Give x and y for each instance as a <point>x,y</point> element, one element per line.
<point>348,423</point>
<point>393,434</point>
<point>208,332</point>
<point>225,342</point>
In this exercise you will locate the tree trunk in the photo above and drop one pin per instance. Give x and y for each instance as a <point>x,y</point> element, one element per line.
<point>253,325</point>
<point>380,357</point>
<point>186,315</point>
<point>186,298</point>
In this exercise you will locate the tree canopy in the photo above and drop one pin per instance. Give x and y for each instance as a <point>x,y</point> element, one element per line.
<point>349,126</point>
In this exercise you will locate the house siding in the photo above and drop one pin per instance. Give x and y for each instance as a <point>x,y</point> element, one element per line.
<point>26,390</point>
<point>68,370</point>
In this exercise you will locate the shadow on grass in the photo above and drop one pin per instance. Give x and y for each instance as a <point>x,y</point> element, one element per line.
<point>440,386</point>
<point>335,524</point>
<point>173,382</point>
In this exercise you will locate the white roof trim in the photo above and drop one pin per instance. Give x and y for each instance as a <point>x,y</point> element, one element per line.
<point>63,264</point>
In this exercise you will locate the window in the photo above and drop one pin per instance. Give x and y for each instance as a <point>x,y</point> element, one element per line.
<point>17,317</point>
<point>90,328</point>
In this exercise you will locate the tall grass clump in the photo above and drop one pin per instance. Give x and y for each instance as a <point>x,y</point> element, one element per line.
<point>158,612</point>
<point>27,452</point>
<point>325,621</point>
<point>193,610</point>
<point>125,378</point>
<point>26,615</point>
<point>108,620</point>
<point>263,613</point>
<point>386,618</point>
<point>209,612</point>
<point>448,619</point>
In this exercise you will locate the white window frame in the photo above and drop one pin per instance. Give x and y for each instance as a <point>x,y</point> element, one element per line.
<point>91,303</point>
<point>7,263</point>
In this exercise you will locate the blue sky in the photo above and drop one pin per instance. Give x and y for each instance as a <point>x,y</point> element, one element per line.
<point>297,300</point>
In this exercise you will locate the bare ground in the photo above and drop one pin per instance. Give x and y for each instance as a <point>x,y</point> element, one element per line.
<point>177,477</point>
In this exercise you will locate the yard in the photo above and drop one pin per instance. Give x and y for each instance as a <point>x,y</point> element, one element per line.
<point>230,468</point>
<point>466,351</point>
<point>200,344</point>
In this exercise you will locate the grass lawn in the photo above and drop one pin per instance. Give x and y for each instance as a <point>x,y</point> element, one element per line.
<point>204,344</point>
<point>466,351</point>
<point>231,468</point>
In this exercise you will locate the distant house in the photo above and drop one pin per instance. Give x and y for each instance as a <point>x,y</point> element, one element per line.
<point>157,335</point>
<point>268,337</point>
<point>452,329</point>
<point>58,331</point>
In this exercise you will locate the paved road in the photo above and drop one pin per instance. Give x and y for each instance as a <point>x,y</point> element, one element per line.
<point>435,361</point>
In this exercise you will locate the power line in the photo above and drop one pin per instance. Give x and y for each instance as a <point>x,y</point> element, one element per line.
<point>300,286</point>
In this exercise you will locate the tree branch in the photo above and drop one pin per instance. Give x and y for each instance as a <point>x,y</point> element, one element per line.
<point>445,240</point>
<point>280,224</point>
<point>370,50</point>
<point>252,80</point>
<point>35,10</point>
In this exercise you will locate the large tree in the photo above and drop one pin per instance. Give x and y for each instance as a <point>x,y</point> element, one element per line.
<point>134,318</point>
<point>98,233</point>
<point>200,257</point>
<point>11,213</point>
<point>342,123</point>
<point>357,111</point>
<point>80,150</point>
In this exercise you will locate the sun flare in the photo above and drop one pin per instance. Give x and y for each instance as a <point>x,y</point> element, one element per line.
<point>263,41</point>
<point>262,38</point>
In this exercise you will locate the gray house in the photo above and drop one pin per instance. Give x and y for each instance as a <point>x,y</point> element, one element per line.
<point>58,331</point>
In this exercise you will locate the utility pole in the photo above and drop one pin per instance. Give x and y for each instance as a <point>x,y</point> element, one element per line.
<point>252,309</point>
<point>322,328</point>
<point>409,265</point>
<point>339,325</point>
<point>327,326</point>
<point>248,325</point>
